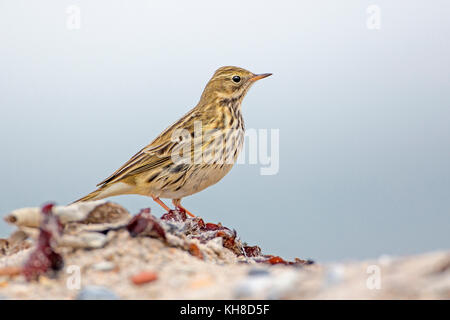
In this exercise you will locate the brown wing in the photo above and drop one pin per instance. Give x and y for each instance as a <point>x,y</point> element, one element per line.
<point>156,154</point>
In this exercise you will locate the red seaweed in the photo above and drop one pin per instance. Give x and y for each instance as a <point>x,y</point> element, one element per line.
<point>44,258</point>
<point>229,240</point>
<point>276,260</point>
<point>214,227</point>
<point>145,224</point>
<point>199,222</point>
<point>174,215</point>
<point>254,251</point>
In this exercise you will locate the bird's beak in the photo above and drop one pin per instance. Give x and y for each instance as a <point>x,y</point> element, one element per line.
<point>260,76</point>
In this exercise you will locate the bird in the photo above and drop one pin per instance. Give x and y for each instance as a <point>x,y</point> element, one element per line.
<point>209,138</point>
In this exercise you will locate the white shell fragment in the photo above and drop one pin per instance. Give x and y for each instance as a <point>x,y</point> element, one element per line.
<point>88,240</point>
<point>29,217</point>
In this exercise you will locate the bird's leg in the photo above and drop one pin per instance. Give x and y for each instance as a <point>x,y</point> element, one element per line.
<point>177,204</point>
<point>162,204</point>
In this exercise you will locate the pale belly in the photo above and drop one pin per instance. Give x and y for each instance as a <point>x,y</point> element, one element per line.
<point>199,180</point>
<point>179,184</point>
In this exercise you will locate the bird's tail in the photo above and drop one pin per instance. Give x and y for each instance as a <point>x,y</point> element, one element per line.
<point>108,190</point>
<point>94,195</point>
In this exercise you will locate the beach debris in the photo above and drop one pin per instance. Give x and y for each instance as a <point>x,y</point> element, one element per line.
<point>17,241</point>
<point>93,225</point>
<point>145,224</point>
<point>195,251</point>
<point>84,239</point>
<point>222,274</point>
<point>214,227</point>
<point>229,241</point>
<point>174,215</point>
<point>44,258</point>
<point>258,272</point>
<point>273,260</point>
<point>96,293</point>
<point>104,266</point>
<point>144,277</point>
<point>98,211</point>
<point>108,212</point>
<point>254,251</point>
<point>86,224</point>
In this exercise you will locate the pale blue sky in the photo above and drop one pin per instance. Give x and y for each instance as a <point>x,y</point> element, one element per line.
<point>363,115</point>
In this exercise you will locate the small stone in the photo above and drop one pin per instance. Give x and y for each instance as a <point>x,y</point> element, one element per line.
<point>96,293</point>
<point>195,251</point>
<point>258,272</point>
<point>144,277</point>
<point>104,266</point>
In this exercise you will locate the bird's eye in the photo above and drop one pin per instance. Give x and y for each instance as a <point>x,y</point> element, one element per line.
<point>236,79</point>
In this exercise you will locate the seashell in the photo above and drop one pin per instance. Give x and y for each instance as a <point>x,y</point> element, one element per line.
<point>103,266</point>
<point>30,217</point>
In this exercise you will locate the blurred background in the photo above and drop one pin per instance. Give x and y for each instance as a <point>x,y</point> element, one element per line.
<point>363,112</point>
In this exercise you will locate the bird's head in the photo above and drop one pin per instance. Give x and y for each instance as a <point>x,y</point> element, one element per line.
<point>230,83</point>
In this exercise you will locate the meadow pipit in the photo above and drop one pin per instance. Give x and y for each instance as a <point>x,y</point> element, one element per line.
<point>209,139</point>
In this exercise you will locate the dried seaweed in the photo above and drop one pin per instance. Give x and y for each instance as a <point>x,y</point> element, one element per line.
<point>44,258</point>
<point>145,224</point>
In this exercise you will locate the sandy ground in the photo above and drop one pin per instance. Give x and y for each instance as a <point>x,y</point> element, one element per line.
<point>189,259</point>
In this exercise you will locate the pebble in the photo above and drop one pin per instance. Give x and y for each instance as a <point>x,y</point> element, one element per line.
<point>144,277</point>
<point>96,293</point>
<point>258,272</point>
<point>104,266</point>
